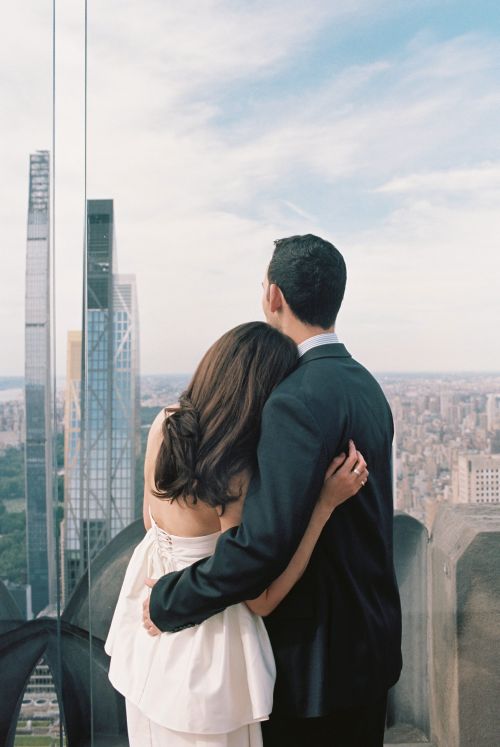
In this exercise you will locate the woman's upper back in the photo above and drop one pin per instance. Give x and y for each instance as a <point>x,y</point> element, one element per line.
<point>184,518</point>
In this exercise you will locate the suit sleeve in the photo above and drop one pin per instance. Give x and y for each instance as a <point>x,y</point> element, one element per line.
<point>291,463</point>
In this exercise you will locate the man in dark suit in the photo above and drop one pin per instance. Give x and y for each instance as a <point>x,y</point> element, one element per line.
<point>337,636</point>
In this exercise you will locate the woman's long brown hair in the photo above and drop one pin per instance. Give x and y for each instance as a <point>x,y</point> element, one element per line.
<point>213,434</point>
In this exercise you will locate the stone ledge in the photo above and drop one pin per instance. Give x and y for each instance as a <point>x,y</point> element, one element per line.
<point>405,735</point>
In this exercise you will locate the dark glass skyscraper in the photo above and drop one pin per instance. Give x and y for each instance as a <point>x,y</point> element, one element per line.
<point>41,574</point>
<point>100,462</point>
<point>97,379</point>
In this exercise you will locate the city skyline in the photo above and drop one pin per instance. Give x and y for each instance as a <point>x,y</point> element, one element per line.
<point>209,159</point>
<point>440,421</point>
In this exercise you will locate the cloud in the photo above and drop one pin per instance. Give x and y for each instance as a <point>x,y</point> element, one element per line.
<point>209,130</point>
<point>212,43</point>
<point>298,210</point>
<point>450,181</point>
<point>425,286</point>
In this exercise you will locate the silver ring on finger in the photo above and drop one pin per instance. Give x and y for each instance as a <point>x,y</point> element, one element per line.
<point>357,472</point>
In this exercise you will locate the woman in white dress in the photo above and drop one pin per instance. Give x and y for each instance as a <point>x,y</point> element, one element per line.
<point>209,685</point>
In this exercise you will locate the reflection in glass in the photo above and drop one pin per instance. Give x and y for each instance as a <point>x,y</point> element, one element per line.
<point>39,717</point>
<point>72,568</point>
<point>29,413</point>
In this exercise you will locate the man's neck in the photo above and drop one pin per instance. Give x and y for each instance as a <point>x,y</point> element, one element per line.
<point>301,332</point>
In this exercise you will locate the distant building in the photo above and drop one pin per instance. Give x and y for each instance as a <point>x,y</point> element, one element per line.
<point>21,593</point>
<point>493,412</point>
<point>495,442</point>
<point>9,439</point>
<point>97,379</point>
<point>11,420</point>
<point>41,561</point>
<point>478,478</point>
<point>100,480</point>
<point>39,715</point>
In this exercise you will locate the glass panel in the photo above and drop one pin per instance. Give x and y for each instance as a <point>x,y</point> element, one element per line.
<point>31,455</point>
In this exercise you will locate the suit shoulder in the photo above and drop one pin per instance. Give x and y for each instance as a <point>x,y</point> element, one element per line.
<point>291,387</point>
<point>370,378</point>
<point>332,378</point>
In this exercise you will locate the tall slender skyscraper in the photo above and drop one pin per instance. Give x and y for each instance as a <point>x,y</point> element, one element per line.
<point>39,476</point>
<point>97,379</point>
<point>100,494</point>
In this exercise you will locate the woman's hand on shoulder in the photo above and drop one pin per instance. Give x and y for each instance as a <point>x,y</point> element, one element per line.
<point>345,476</point>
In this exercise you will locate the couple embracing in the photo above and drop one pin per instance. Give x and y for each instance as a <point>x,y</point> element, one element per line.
<point>261,607</point>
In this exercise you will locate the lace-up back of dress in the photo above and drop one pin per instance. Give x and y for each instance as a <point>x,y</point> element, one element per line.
<point>178,552</point>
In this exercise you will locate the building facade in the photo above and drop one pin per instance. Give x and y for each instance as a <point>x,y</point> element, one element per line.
<point>478,478</point>
<point>493,412</point>
<point>101,459</point>
<point>41,565</point>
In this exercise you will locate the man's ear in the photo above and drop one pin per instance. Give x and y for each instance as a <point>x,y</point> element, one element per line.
<point>276,298</point>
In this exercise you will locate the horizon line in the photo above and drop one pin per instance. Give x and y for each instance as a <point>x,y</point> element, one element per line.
<point>392,372</point>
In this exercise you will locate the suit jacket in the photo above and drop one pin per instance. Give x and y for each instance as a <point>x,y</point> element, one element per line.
<point>337,636</point>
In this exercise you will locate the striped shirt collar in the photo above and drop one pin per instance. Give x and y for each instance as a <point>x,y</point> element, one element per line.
<point>326,338</point>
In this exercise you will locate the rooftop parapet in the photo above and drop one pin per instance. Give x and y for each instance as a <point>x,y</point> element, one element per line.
<point>450,594</point>
<point>464,619</point>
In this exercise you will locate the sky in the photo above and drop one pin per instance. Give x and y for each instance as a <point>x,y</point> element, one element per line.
<point>218,127</point>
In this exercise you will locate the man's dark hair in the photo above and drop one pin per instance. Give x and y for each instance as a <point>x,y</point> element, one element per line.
<point>311,274</point>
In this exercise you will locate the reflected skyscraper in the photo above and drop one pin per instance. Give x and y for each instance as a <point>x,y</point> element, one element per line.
<point>100,466</point>
<point>71,531</point>
<point>125,444</point>
<point>41,567</point>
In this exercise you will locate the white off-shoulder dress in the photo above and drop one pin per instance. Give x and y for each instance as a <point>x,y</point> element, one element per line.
<point>208,685</point>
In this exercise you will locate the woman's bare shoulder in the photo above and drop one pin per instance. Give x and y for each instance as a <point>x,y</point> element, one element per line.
<point>156,428</point>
